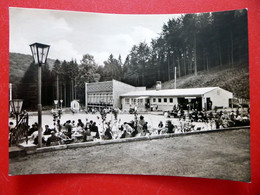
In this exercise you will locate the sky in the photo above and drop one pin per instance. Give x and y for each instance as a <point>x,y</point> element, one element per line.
<point>73,34</point>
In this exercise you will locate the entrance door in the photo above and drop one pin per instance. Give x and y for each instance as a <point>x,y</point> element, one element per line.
<point>209,104</point>
<point>183,103</point>
<point>147,103</point>
<point>195,103</point>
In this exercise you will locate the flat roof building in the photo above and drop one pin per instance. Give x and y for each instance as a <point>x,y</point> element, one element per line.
<point>107,93</point>
<point>191,98</point>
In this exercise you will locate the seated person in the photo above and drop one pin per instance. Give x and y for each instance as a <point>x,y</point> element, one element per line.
<point>35,141</point>
<point>47,130</point>
<point>170,127</point>
<point>80,123</point>
<point>53,139</point>
<point>73,124</point>
<point>127,130</point>
<point>108,133</point>
<point>160,125</point>
<point>33,129</point>
<point>61,135</point>
<point>141,121</point>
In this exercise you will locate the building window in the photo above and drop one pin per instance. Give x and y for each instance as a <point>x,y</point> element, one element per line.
<point>126,100</point>
<point>159,100</point>
<point>165,100</point>
<point>171,100</point>
<point>110,96</point>
<point>140,101</point>
<point>91,98</point>
<point>154,99</point>
<point>94,98</point>
<point>106,98</point>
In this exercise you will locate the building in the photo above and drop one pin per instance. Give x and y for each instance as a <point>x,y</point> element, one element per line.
<point>107,94</point>
<point>193,98</point>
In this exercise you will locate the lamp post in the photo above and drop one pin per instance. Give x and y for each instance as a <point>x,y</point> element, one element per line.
<point>39,53</point>
<point>174,68</point>
<point>16,105</point>
<point>61,101</point>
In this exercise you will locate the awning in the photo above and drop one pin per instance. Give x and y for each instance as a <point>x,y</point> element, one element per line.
<point>142,97</point>
<point>190,97</point>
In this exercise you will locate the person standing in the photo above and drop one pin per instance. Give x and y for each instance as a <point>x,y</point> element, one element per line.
<point>94,128</point>
<point>68,127</point>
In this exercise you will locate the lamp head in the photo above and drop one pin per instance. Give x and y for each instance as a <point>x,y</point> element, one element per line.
<point>40,52</point>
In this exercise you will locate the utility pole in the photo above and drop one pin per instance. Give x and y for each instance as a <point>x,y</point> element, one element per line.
<point>175,83</point>
<point>169,75</point>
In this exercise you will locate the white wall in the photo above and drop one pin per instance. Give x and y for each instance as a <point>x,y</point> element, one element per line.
<point>164,106</point>
<point>126,106</point>
<point>120,88</point>
<point>219,97</point>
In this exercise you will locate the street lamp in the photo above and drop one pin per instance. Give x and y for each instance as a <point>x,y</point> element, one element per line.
<point>39,53</point>
<point>16,105</point>
<point>56,103</point>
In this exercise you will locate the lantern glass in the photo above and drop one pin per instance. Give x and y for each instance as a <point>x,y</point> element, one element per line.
<point>34,53</point>
<point>56,102</point>
<point>39,52</point>
<point>16,105</point>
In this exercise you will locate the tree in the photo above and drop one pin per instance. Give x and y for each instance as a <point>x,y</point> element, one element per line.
<point>56,69</point>
<point>28,88</point>
<point>73,71</point>
<point>87,73</point>
<point>143,58</point>
<point>112,69</point>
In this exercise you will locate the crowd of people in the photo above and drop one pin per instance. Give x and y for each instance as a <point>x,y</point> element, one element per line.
<point>220,119</point>
<point>103,129</point>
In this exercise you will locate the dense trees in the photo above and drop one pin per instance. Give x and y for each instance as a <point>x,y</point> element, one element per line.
<point>112,69</point>
<point>65,81</point>
<point>28,88</point>
<point>191,43</point>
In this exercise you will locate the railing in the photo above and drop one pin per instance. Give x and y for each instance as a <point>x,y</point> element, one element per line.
<point>20,132</point>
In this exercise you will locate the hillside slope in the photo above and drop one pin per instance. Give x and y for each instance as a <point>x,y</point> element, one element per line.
<point>234,79</point>
<point>18,65</point>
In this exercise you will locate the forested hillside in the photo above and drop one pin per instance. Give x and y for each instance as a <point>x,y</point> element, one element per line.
<point>208,49</point>
<point>192,43</point>
<point>19,63</point>
<point>18,66</point>
<point>234,79</point>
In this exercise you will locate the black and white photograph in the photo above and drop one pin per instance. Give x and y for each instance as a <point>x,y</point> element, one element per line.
<point>159,94</point>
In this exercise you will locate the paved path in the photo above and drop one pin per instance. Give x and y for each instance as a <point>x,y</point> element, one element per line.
<point>223,155</point>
